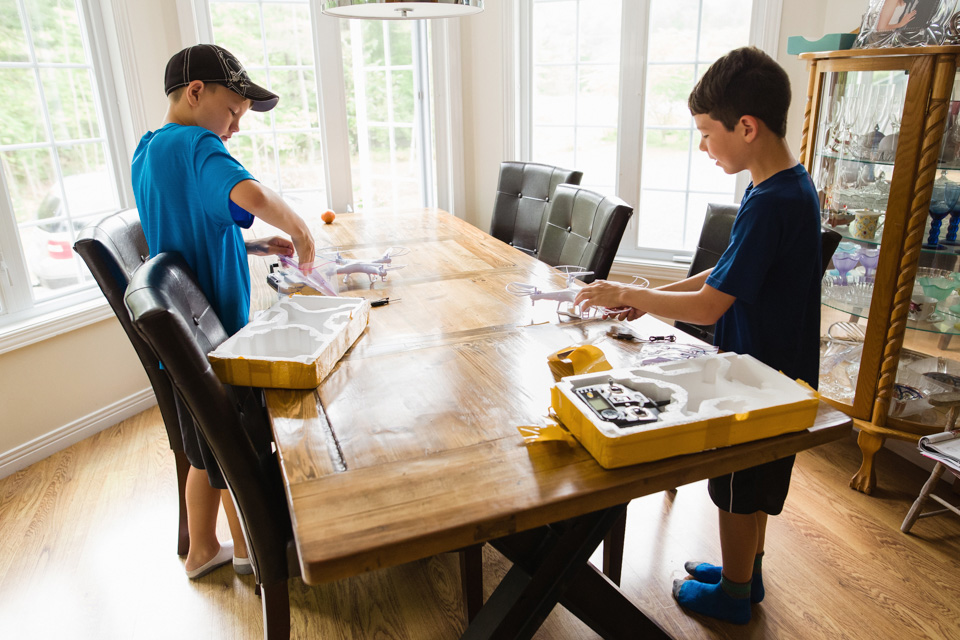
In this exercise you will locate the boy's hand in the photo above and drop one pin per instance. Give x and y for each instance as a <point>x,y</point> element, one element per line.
<point>624,313</point>
<point>305,250</point>
<point>274,246</point>
<point>601,293</point>
<point>608,295</point>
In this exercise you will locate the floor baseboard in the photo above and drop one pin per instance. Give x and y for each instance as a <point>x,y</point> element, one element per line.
<point>46,445</point>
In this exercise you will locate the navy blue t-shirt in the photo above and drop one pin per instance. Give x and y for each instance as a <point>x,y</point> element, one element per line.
<point>182,178</point>
<point>772,267</point>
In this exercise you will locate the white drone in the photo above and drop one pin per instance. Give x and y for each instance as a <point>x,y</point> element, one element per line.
<point>564,297</point>
<point>373,268</point>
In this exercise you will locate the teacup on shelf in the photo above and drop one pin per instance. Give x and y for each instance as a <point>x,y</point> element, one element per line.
<point>864,225</point>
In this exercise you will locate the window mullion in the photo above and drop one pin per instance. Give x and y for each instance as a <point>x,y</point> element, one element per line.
<point>332,103</point>
<point>421,88</point>
<point>14,279</point>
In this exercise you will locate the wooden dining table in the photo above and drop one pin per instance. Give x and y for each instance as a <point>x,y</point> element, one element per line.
<point>410,447</point>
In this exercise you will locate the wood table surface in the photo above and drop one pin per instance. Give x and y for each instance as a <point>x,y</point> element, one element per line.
<point>410,446</point>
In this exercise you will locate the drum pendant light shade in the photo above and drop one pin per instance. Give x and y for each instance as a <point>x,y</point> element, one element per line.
<point>401,9</point>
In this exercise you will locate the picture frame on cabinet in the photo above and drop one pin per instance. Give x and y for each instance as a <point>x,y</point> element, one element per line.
<point>906,23</point>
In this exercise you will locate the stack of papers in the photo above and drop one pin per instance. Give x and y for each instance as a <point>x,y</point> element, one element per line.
<point>943,447</point>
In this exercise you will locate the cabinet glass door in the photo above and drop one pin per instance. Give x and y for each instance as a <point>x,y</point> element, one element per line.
<point>930,358</point>
<point>854,150</point>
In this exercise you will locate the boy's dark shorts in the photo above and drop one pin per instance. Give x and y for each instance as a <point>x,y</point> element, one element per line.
<point>196,448</point>
<point>760,488</point>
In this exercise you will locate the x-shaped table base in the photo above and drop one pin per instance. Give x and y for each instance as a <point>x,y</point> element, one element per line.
<point>550,566</point>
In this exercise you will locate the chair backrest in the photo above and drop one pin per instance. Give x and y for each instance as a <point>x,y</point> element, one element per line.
<point>113,249</point>
<point>584,228</point>
<point>523,197</point>
<point>172,314</point>
<point>714,238</point>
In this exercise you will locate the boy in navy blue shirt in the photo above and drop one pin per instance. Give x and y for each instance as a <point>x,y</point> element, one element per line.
<point>194,198</point>
<point>763,295</point>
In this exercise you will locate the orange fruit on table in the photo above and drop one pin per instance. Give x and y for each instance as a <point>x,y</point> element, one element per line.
<point>328,216</point>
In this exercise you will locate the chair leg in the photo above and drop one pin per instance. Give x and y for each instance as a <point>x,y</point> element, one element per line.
<point>276,610</point>
<point>613,549</point>
<point>914,512</point>
<point>471,579</point>
<point>183,534</point>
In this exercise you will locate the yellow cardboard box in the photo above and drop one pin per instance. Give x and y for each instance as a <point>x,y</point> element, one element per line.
<point>293,345</point>
<point>714,401</point>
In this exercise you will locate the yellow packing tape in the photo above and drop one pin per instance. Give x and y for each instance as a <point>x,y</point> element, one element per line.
<point>573,361</point>
<point>550,431</point>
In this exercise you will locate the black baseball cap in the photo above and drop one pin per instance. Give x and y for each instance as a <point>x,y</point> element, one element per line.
<point>210,63</point>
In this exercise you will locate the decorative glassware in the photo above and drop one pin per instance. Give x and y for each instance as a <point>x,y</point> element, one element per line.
<point>939,288</point>
<point>943,199</point>
<point>953,226</point>
<point>869,258</point>
<point>844,262</point>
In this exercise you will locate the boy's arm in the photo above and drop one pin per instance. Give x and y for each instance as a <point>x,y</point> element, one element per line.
<point>702,306</point>
<point>693,283</point>
<point>265,204</point>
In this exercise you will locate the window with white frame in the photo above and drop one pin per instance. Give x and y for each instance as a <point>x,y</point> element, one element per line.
<point>386,123</point>
<point>616,108</point>
<point>575,87</point>
<point>60,164</point>
<point>383,62</point>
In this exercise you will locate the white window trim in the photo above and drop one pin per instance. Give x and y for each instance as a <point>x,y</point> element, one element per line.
<point>33,329</point>
<point>112,57</point>
<point>448,117</point>
<point>764,33</point>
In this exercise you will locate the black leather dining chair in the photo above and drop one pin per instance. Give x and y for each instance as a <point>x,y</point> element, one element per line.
<point>523,198</point>
<point>583,228</point>
<point>174,317</point>
<point>113,249</point>
<point>714,238</point>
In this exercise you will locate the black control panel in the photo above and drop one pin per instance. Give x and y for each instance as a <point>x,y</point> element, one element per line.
<point>620,405</point>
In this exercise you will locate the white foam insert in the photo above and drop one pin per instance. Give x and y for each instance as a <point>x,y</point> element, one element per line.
<point>698,389</point>
<point>294,329</point>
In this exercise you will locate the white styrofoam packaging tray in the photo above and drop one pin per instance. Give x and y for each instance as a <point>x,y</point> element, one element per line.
<point>715,401</point>
<point>292,345</point>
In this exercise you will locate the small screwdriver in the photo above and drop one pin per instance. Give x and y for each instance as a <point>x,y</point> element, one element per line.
<point>383,301</point>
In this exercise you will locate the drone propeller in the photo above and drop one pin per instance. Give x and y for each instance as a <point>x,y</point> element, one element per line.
<point>521,288</point>
<point>641,282</point>
<point>332,252</point>
<point>572,272</point>
<point>393,252</point>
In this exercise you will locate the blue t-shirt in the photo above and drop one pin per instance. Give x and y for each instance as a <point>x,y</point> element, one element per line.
<point>182,178</point>
<point>772,267</point>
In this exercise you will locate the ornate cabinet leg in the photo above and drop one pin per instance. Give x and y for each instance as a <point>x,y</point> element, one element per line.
<point>866,477</point>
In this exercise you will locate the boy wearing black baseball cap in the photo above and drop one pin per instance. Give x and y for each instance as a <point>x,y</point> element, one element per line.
<point>194,198</point>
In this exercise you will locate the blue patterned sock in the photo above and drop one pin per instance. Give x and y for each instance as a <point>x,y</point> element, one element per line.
<point>710,573</point>
<point>726,600</point>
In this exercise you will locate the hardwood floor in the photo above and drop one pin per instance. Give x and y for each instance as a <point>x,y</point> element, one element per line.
<point>88,550</point>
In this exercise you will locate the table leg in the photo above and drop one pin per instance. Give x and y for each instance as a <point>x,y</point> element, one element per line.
<point>550,566</point>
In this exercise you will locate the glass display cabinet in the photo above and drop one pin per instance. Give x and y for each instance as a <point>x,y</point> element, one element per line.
<point>881,139</point>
